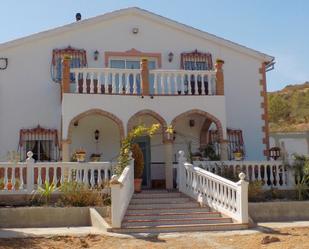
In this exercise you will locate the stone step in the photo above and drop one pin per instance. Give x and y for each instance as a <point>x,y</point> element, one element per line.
<point>181,228</point>
<point>163,205</point>
<point>157,195</point>
<point>167,210</point>
<point>160,200</point>
<point>171,215</point>
<point>178,221</point>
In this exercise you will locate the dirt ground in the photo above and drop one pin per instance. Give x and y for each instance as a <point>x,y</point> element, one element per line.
<point>294,238</point>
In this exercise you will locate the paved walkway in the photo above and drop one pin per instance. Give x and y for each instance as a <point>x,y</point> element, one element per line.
<point>83,231</point>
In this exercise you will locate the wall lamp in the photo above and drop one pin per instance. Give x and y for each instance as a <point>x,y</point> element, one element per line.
<point>96,135</point>
<point>3,63</point>
<point>170,57</point>
<point>96,55</point>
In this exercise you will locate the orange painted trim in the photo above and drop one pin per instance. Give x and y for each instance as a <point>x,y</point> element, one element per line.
<point>133,53</point>
<point>264,106</point>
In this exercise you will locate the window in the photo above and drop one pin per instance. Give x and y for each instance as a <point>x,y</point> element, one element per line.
<point>78,59</point>
<point>196,61</point>
<point>133,64</point>
<point>42,142</point>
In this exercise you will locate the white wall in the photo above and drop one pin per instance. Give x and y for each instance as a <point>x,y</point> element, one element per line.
<point>297,142</point>
<point>28,96</point>
<point>109,140</point>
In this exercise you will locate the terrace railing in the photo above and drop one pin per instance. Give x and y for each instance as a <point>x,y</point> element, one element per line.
<point>24,178</point>
<point>272,174</point>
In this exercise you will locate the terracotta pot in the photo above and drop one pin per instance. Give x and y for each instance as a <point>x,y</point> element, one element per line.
<point>138,185</point>
<point>95,159</point>
<point>80,157</point>
<point>9,186</point>
<point>238,156</point>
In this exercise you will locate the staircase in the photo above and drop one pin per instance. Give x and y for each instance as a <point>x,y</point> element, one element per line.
<point>162,211</point>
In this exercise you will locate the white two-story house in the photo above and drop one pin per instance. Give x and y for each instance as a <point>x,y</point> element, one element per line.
<point>87,84</point>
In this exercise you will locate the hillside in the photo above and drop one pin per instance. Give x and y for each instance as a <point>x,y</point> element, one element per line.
<point>289,108</point>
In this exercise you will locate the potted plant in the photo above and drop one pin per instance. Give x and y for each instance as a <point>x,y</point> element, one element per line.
<point>238,154</point>
<point>196,156</point>
<point>95,157</point>
<point>137,154</point>
<point>80,155</point>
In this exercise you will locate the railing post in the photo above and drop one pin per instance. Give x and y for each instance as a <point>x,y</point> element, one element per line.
<point>144,77</point>
<point>30,172</point>
<point>181,171</point>
<point>242,199</point>
<point>65,84</point>
<point>219,77</point>
<point>224,150</point>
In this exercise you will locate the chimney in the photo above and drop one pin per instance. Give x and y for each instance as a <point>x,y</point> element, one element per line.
<point>78,17</point>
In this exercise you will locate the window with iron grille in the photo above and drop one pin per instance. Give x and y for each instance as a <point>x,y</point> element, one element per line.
<point>42,142</point>
<point>78,59</point>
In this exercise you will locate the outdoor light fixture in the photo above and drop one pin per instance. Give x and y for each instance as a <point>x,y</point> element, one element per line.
<point>96,55</point>
<point>135,30</point>
<point>170,57</point>
<point>191,122</point>
<point>3,63</point>
<point>96,135</point>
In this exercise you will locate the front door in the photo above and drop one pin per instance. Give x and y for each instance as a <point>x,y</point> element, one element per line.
<point>144,144</point>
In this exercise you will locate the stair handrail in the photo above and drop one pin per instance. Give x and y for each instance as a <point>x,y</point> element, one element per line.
<point>221,194</point>
<point>122,190</point>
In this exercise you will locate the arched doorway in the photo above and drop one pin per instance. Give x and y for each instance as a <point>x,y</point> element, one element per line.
<point>153,148</point>
<point>192,133</point>
<point>97,132</point>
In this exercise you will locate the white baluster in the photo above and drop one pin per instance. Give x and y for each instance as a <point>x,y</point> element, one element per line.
<point>47,174</point>
<point>202,84</point>
<point>92,180</point>
<point>277,176</point>
<point>99,89</point>
<point>106,83</point>
<point>85,179</point>
<point>259,172</point>
<point>55,180</point>
<point>99,177</point>
<point>134,83</point>
<point>169,84</point>
<point>76,82</point>
<point>39,179</point>
<point>6,180</point>
<point>114,89</point>
<point>84,82</point>
<point>70,178</point>
<point>105,174</point>
<point>13,181</point>
<point>155,83</point>
<point>21,178</point>
<point>128,90</point>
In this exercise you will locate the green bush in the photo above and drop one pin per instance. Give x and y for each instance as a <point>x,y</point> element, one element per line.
<point>137,154</point>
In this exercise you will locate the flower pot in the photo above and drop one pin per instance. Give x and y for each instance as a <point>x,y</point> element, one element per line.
<point>238,156</point>
<point>138,185</point>
<point>9,186</point>
<point>95,159</point>
<point>80,156</point>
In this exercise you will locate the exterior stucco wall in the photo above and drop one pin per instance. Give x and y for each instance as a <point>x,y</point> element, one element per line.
<point>28,96</point>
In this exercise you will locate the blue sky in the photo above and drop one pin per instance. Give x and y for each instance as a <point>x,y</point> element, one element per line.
<point>276,27</point>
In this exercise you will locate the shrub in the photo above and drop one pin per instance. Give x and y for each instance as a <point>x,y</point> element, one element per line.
<point>301,173</point>
<point>137,154</point>
<point>79,195</point>
<point>255,191</point>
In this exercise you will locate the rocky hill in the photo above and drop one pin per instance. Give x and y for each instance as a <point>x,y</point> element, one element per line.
<point>289,108</point>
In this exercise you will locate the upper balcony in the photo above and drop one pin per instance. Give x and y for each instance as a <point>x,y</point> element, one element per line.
<point>143,82</point>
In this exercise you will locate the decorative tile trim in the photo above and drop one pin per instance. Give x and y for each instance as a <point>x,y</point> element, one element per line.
<point>264,106</point>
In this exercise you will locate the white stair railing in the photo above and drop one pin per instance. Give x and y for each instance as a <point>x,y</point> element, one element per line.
<point>122,190</point>
<point>219,193</point>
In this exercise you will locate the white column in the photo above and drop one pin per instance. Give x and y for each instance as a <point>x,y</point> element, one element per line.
<point>242,199</point>
<point>168,152</point>
<point>30,172</point>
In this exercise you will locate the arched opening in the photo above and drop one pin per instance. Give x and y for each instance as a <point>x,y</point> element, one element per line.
<point>153,149</point>
<point>98,133</point>
<point>192,134</point>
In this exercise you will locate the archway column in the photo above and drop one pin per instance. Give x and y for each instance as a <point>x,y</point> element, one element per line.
<point>66,150</point>
<point>168,157</point>
<point>224,150</point>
